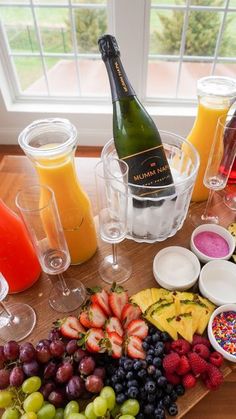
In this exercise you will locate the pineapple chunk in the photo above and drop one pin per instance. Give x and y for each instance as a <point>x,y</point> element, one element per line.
<point>161,314</point>
<point>183,325</point>
<point>205,317</point>
<point>143,299</point>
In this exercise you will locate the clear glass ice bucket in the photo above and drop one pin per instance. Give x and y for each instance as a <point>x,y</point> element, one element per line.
<point>156,219</point>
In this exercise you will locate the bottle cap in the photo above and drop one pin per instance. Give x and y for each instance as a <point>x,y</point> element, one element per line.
<point>108,46</point>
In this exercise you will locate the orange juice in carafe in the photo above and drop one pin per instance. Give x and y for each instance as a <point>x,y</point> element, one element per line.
<point>53,142</point>
<point>215,95</point>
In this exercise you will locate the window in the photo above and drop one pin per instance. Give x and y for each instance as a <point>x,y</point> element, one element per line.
<point>49,57</point>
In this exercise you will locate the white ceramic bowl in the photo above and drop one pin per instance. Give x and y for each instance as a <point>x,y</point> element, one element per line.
<point>215,229</point>
<point>176,268</point>
<point>217,282</point>
<point>215,344</point>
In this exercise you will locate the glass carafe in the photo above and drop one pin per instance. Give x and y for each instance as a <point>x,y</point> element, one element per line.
<point>215,96</point>
<point>18,261</point>
<point>51,144</point>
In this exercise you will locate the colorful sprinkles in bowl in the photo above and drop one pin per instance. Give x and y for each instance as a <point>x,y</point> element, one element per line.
<point>224,330</point>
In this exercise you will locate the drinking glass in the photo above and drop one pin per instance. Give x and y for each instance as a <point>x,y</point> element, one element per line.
<point>17,320</point>
<point>112,198</point>
<point>37,206</point>
<point>218,168</point>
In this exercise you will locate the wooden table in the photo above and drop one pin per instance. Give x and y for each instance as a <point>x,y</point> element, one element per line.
<point>17,172</point>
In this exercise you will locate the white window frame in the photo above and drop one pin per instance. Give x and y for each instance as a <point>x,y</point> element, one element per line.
<point>129,22</point>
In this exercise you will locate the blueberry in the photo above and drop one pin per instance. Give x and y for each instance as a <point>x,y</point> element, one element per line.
<point>156,337</point>
<point>173,409</point>
<point>115,379</point>
<point>142,373</point>
<point>162,381</point>
<point>148,339</point>
<point>145,346</point>
<point>180,390</point>
<point>159,394</point>
<point>128,365</point>
<point>159,348</point>
<point>120,373</point>
<point>130,375</point>
<point>165,337</point>
<point>169,388</point>
<point>157,362</point>
<point>120,398</point>
<point>152,330</point>
<point>159,413</point>
<point>149,409</point>
<point>150,386</point>
<point>173,396</point>
<point>118,388</point>
<point>158,373</point>
<point>151,397</point>
<point>166,401</point>
<point>122,360</point>
<point>132,383</point>
<point>149,359</point>
<point>150,351</point>
<point>137,365</point>
<point>151,370</point>
<point>132,392</point>
<point>143,394</point>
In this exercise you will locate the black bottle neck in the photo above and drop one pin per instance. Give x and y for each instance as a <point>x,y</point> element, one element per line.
<point>120,85</point>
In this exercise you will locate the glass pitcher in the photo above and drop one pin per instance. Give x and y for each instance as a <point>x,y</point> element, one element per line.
<point>51,144</point>
<point>215,96</point>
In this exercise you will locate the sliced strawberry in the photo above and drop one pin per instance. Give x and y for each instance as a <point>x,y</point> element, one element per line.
<point>118,297</point>
<point>84,319</point>
<point>113,324</point>
<point>100,296</point>
<point>130,312</point>
<point>114,345</point>
<point>71,327</point>
<point>134,348</point>
<point>137,327</point>
<point>94,340</point>
<point>96,315</point>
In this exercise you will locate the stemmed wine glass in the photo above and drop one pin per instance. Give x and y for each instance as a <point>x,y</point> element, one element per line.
<point>17,320</point>
<point>112,198</point>
<point>218,168</point>
<point>38,209</point>
<point>230,193</point>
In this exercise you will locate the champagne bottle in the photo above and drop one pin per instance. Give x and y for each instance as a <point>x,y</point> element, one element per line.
<point>136,136</point>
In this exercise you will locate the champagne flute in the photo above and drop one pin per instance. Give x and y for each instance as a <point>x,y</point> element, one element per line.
<point>230,195</point>
<point>218,168</point>
<point>38,209</point>
<point>17,320</point>
<point>112,197</point>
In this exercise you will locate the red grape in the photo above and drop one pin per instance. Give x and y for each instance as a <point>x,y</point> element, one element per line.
<point>4,379</point>
<point>43,354</point>
<point>87,365</point>
<point>2,357</point>
<point>100,372</point>
<point>17,376</point>
<point>94,384</point>
<point>54,334</point>
<point>57,398</point>
<point>79,354</point>
<point>75,387</point>
<point>64,372</point>
<point>47,388</point>
<point>43,343</point>
<point>31,368</point>
<point>27,352</point>
<point>50,370</point>
<point>57,348</point>
<point>11,350</point>
<point>71,346</point>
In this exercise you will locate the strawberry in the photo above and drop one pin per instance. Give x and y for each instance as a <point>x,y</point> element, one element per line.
<point>138,328</point>
<point>96,315</point>
<point>216,359</point>
<point>134,348</point>
<point>114,344</point>
<point>100,296</point>
<point>130,312</point>
<point>183,366</point>
<point>200,339</point>
<point>84,319</point>
<point>71,327</point>
<point>171,362</point>
<point>117,298</point>
<point>201,350</point>
<point>189,381</point>
<point>198,365</point>
<point>94,340</point>
<point>113,324</point>
<point>181,346</point>
<point>172,378</point>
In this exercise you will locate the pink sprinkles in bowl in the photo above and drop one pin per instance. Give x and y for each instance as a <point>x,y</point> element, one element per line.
<point>224,330</point>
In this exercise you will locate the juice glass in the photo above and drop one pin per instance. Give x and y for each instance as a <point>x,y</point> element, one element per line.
<point>50,144</point>
<point>215,96</point>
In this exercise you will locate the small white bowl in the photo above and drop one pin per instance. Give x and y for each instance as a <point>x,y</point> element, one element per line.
<point>215,344</point>
<point>217,282</point>
<point>225,234</point>
<point>176,268</point>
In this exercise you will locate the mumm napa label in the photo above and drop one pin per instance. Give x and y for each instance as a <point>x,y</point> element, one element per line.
<point>149,168</point>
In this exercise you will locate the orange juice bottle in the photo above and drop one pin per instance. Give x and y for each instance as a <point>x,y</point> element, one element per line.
<point>50,144</point>
<point>215,96</point>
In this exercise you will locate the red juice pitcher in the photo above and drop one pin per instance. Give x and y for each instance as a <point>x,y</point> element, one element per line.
<point>18,261</point>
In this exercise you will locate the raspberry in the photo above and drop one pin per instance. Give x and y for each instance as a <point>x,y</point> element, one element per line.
<point>183,366</point>
<point>216,359</point>
<point>201,350</point>
<point>213,377</point>
<point>181,346</point>
<point>172,378</point>
<point>171,362</point>
<point>189,381</point>
<point>200,339</point>
<point>197,364</point>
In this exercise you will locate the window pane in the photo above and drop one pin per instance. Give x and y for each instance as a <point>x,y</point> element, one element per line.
<point>92,71</point>
<point>165,31</point>
<point>62,77</point>
<point>228,41</point>
<point>190,73</point>
<point>90,24</point>
<point>30,70</point>
<point>157,2</point>
<point>215,3</point>
<point>225,69</point>
<point>162,77</point>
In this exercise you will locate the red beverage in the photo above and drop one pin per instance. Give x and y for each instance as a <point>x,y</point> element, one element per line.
<point>18,261</point>
<point>229,147</point>
<point>232,176</point>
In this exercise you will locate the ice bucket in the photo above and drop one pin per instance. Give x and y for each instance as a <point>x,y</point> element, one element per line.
<point>161,213</point>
